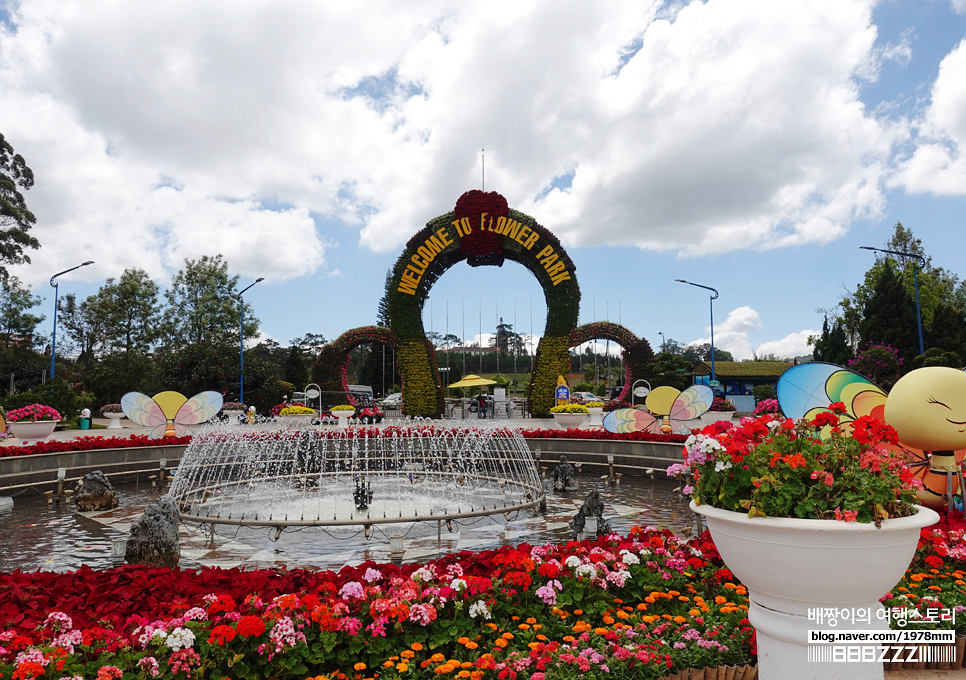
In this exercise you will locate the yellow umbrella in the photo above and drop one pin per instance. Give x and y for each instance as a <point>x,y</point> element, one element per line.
<point>472,381</point>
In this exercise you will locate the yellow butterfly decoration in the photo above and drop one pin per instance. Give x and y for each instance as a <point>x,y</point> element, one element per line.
<point>169,413</point>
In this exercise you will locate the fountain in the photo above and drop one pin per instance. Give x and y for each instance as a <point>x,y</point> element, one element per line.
<point>355,477</point>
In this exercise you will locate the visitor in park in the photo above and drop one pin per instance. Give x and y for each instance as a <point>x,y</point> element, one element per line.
<point>482,401</point>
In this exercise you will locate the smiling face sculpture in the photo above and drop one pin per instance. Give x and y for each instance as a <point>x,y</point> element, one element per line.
<point>927,407</point>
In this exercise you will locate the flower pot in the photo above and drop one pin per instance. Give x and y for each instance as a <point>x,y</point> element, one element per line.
<point>234,417</point>
<point>793,567</point>
<point>595,416</point>
<point>343,417</point>
<point>714,416</point>
<point>567,420</point>
<point>32,430</point>
<point>115,419</point>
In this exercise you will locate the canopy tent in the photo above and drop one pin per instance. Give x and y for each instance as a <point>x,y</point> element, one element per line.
<point>472,381</point>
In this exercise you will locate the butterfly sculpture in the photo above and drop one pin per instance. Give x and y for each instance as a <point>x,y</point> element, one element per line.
<point>667,411</point>
<point>170,412</point>
<point>927,408</point>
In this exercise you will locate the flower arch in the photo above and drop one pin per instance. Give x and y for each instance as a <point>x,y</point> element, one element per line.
<point>482,230</point>
<point>329,369</point>
<point>635,352</point>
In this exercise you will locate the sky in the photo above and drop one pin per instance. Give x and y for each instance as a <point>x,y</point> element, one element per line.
<point>746,145</point>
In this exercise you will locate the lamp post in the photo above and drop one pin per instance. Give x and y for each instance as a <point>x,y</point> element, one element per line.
<point>241,340</point>
<point>915,282</point>
<point>714,296</point>
<point>663,343</point>
<point>53,338</point>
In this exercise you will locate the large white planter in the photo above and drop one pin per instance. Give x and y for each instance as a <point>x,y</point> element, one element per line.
<point>115,419</point>
<point>567,420</point>
<point>595,416</point>
<point>234,416</point>
<point>714,416</point>
<point>791,566</point>
<point>343,417</point>
<point>33,430</point>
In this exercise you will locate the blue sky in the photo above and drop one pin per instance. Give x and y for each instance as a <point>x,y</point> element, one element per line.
<point>747,145</point>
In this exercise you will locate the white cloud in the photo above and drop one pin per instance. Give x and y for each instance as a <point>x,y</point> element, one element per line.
<point>733,335</point>
<point>938,163</point>
<point>959,6</point>
<point>194,127</point>
<point>792,345</point>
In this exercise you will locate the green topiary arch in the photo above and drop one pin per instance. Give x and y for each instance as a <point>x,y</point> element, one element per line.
<point>329,369</point>
<point>636,353</point>
<point>482,230</point>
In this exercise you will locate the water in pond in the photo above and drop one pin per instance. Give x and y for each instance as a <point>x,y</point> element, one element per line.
<point>41,536</point>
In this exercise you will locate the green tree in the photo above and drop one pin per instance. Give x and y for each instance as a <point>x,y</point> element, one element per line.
<point>203,306</point>
<point>833,345</point>
<point>669,369</point>
<point>295,370</point>
<point>130,309</point>
<point>889,317</point>
<point>83,325</point>
<point>19,326</point>
<point>948,330</point>
<point>702,352</point>
<point>15,218</point>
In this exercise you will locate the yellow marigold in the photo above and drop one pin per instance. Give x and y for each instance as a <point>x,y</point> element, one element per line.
<point>935,588</point>
<point>600,631</point>
<point>463,674</point>
<point>462,640</point>
<point>542,637</point>
<point>466,664</point>
<point>578,612</point>
<point>609,620</point>
<point>407,654</point>
<point>641,606</point>
<point>673,593</point>
<point>524,626</point>
<point>401,667</point>
<point>492,626</point>
<point>388,663</point>
<point>684,598</point>
<point>580,627</point>
<point>568,638</point>
<point>416,646</point>
<point>516,618</point>
<point>437,657</point>
<point>507,636</point>
<point>500,642</point>
<point>679,619</point>
<point>476,675</point>
<point>694,612</point>
<point>531,620</point>
<point>471,645</point>
<point>359,666</point>
<point>443,669</point>
<point>533,645</point>
<point>537,626</point>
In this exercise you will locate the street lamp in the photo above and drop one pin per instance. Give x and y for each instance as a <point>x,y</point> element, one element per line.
<point>663,343</point>
<point>714,296</point>
<point>915,282</point>
<point>53,338</point>
<point>241,340</point>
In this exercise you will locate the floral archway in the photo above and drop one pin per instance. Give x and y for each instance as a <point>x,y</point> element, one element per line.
<point>483,230</point>
<point>329,369</point>
<point>635,352</point>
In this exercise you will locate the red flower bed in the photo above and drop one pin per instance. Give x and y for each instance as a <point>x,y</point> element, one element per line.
<point>89,444</point>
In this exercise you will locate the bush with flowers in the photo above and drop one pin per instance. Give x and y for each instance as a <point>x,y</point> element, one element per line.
<point>233,406</point>
<point>594,404</point>
<point>767,406</point>
<point>296,410</point>
<point>570,408</point>
<point>818,469</point>
<point>721,404</point>
<point>643,606</point>
<point>32,413</point>
<point>111,408</point>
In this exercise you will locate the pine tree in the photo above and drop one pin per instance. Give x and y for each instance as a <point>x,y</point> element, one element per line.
<point>889,317</point>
